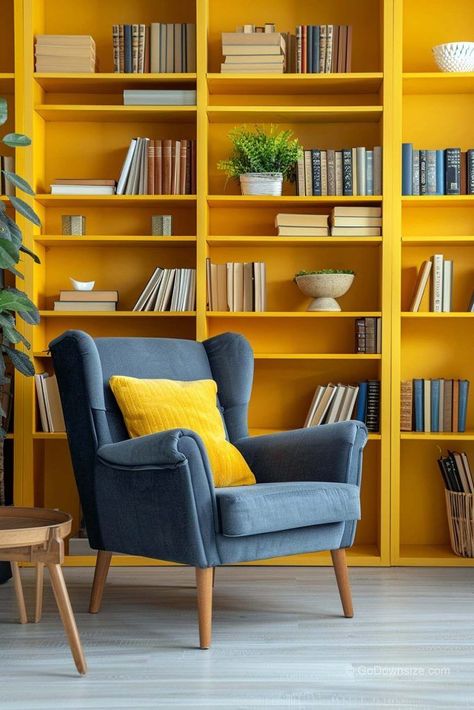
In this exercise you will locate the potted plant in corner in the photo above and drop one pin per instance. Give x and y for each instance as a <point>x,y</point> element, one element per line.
<point>262,159</point>
<point>13,302</point>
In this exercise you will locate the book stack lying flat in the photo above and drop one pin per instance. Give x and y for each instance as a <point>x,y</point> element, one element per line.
<point>351,171</point>
<point>49,403</point>
<point>65,53</point>
<point>302,225</point>
<point>337,403</point>
<point>7,162</point>
<point>87,301</point>
<point>434,405</point>
<point>83,187</point>
<point>456,472</point>
<point>368,332</point>
<point>159,167</point>
<point>236,287</point>
<point>323,49</point>
<point>168,290</point>
<point>448,171</point>
<point>253,52</point>
<point>356,221</point>
<point>158,48</point>
<point>159,97</point>
<point>441,271</point>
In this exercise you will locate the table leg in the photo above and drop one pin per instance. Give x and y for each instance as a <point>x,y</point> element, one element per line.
<point>67,616</point>
<point>19,592</point>
<point>39,591</point>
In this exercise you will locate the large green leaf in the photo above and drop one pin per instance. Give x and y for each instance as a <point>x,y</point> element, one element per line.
<point>30,253</point>
<point>11,299</point>
<point>4,229</point>
<point>31,317</point>
<point>3,111</point>
<point>18,181</point>
<point>9,254</point>
<point>20,360</point>
<point>16,140</point>
<point>10,333</point>
<point>15,231</point>
<point>24,209</point>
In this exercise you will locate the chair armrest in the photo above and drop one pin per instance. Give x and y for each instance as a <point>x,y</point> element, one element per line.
<point>157,450</point>
<point>332,452</point>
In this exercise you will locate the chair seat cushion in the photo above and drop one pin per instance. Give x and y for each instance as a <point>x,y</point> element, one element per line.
<point>270,507</point>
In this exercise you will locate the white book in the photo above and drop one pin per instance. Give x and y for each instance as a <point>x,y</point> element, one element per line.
<point>349,403</point>
<point>155,47</point>
<point>164,296</point>
<point>161,290</point>
<point>437,283</point>
<point>314,403</point>
<point>333,411</point>
<point>82,190</point>
<point>41,401</point>
<point>145,294</point>
<point>361,177</point>
<point>132,173</point>
<point>53,404</point>
<point>159,98</point>
<point>126,167</point>
<point>191,304</point>
<point>447,285</point>
<point>230,286</point>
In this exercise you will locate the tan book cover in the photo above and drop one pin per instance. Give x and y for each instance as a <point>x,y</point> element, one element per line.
<point>83,181</point>
<point>356,221</point>
<point>406,405</point>
<point>158,167</point>
<point>448,406</point>
<point>255,59</point>
<point>242,49</point>
<point>208,284</point>
<point>40,396</point>
<point>190,48</point>
<point>308,173</point>
<point>182,167</point>
<point>342,48</point>
<point>90,306</point>
<point>324,172</point>
<point>248,287</point>
<point>65,40</point>
<point>335,48</point>
<point>222,288</point>
<point>420,286</point>
<point>251,68</point>
<point>314,403</point>
<point>151,168</point>
<point>303,231</point>
<point>84,296</point>
<point>356,231</point>
<point>214,298</point>
<point>301,220</point>
<point>155,66</point>
<point>253,38</point>
<point>53,404</point>
<point>348,67</point>
<point>238,286</point>
<point>72,51</point>
<point>167,148</point>
<point>329,48</point>
<point>323,404</point>
<point>344,211</point>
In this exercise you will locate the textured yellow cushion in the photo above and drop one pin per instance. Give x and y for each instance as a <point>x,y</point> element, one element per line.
<point>149,406</point>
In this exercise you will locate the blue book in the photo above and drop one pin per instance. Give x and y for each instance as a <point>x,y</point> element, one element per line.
<point>127,48</point>
<point>435,387</point>
<point>462,409</point>
<point>361,407</point>
<point>369,172</point>
<point>316,68</point>
<point>440,172</point>
<point>407,168</point>
<point>419,405</point>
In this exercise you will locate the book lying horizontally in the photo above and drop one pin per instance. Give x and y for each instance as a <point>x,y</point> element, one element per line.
<point>168,290</point>
<point>441,271</point>
<point>236,286</point>
<point>356,221</point>
<point>448,171</point>
<point>302,225</point>
<point>351,171</point>
<point>368,335</point>
<point>436,405</point>
<point>339,402</point>
<point>456,472</point>
<point>87,301</point>
<point>49,403</point>
<point>159,167</point>
<point>253,52</point>
<point>83,186</point>
<point>158,48</point>
<point>65,53</point>
<point>159,97</point>
<point>7,162</point>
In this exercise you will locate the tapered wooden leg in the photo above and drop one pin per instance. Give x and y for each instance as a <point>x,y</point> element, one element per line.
<point>204,602</point>
<point>67,616</point>
<point>213,577</point>
<point>100,575</point>
<point>39,591</point>
<point>19,592</point>
<point>342,578</point>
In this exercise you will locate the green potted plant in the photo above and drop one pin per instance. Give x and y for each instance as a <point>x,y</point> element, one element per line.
<point>261,159</point>
<point>324,286</point>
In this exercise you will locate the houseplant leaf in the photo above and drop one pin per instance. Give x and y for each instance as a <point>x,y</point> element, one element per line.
<point>16,140</point>
<point>24,209</point>
<point>18,181</point>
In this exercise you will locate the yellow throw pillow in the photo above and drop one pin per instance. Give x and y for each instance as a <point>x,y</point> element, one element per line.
<point>149,406</point>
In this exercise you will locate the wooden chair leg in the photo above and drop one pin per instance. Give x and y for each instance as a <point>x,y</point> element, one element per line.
<point>213,577</point>
<point>19,592</point>
<point>342,578</point>
<point>100,576</point>
<point>67,616</point>
<point>204,579</point>
<point>39,591</point>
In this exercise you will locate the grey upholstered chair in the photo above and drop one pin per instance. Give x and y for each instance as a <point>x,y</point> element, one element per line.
<point>154,495</point>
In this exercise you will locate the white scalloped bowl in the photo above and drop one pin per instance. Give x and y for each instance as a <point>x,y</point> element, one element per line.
<point>454,56</point>
<point>82,285</point>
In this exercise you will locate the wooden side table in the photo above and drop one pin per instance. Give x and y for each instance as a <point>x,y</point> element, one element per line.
<point>37,535</point>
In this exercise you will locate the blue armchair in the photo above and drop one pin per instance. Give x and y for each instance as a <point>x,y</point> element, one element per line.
<point>154,495</point>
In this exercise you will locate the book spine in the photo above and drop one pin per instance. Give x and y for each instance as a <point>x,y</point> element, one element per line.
<point>440,172</point>
<point>121,48</point>
<point>304,58</point>
<point>377,170</point>
<point>437,283</point>
<point>308,179</point>
<point>373,406</point>
<point>331,171</point>
<point>299,42</point>
<point>116,48</point>
<point>141,49</point>
<point>339,173</point>
<point>423,186</point>
<point>324,172</point>
<point>309,48</point>
<point>447,285</point>
<point>360,340</point>
<point>452,171</point>
<point>300,184</point>
<point>406,406</point>
<point>431,172</point>
<point>316,170</point>
<point>128,48</point>
<point>322,48</point>
<point>470,172</point>
<point>370,335</point>
<point>416,172</point>
<point>435,387</point>
<point>463,398</point>
<point>361,405</point>
<point>151,168</point>
<point>135,48</point>
<point>361,175</point>
<point>463,173</point>
<point>418,395</point>
<point>369,172</point>
<point>316,66</point>
<point>329,49</point>
<point>407,168</point>
<point>427,404</point>
<point>347,171</point>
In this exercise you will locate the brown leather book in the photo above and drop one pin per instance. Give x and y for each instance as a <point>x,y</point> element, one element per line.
<point>448,406</point>
<point>335,48</point>
<point>182,168</point>
<point>158,167</point>
<point>151,168</point>
<point>342,48</point>
<point>406,406</point>
<point>349,49</point>
<point>187,189</point>
<point>166,186</point>
<point>175,166</point>
<point>146,64</point>
<point>193,168</point>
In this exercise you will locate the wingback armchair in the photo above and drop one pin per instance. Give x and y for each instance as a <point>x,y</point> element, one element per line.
<point>154,495</point>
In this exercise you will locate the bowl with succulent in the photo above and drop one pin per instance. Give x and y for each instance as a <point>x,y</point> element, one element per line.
<point>324,286</point>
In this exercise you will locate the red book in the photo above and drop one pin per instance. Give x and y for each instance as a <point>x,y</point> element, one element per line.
<point>304,42</point>
<point>166,185</point>
<point>182,167</point>
<point>349,49</point>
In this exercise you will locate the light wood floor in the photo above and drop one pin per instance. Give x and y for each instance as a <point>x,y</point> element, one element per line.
<point>279,642</point>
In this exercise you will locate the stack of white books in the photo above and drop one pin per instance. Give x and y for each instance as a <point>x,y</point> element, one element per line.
<point>257,52</point>
<point>168,290</point>
<point>159,97</point>
<point>87,186</point>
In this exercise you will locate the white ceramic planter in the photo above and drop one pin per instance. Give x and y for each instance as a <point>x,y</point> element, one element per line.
<point>455,56</point>
<point>324,289</point>
<point>261,184</point>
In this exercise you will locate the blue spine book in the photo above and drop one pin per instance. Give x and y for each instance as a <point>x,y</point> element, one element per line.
<point>419,405</point>
<point>361,408</point>
<point>463,395</point>
<point>440,172</point>
<point>407,168</point>
<point>316,49</point>
<point>435,387</point>
<point>127,48</point>
<point>309,49</point>
<point>369,172</point>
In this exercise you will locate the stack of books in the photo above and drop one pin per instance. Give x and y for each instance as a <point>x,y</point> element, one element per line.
<point>157,48</point>
<point>336,403</point>
<point>7,162</point>
<point>441,271</point>
<point>448,171</point>
<point>356,221</point>
<point>368,335</point>
<point>253,52</point>
<point>168,290</point>
<point>456,472</point>
<point>83,186</point>
<point>302,225</point>
<point>434,405</point>
<point>65,53</point>
<point>236,287</point>
<point>49,403</point>
<point>159,97</point>
<point>323,49</point>
<point>87,301</point>
<point>351,171</point>
<point>159,167</point>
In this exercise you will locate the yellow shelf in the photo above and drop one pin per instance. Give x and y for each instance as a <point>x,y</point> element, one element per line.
<point>356,83</point>
<point>114,200</point>
<point>117,314</point>
<point>432,556</point>
<point>53,240</point>
<point>443,316</point>
<point>7,82</point>
<point>317,356</point>
<point>438,200</point>
<point>292,314</point>
<point>90,113</point>
<point>106,82</point>
<point>289,200</point>
<point>50,435</point>
<point>457,241</point>
<point>437,436</point>
<point>276,241</point>
<point>438,82</point>
<point>295,114</point>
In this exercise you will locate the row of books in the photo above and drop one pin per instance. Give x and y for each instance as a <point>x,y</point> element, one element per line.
<point>236,286</point>
<point>351,171</point>
<point>87,301</point>
<point>168,290</point>
<point>337,403</point>
<point>441,272</point>
<point>368,335</point>
<point>448,171</point>
<point>159,97</point>
<point>157,48</point>
<point>7,162</point>
<point>323,49</point>
<point>456,472</point>
<point>435,405</point>
<point>49,403</point>
<point>342,221</point>
<point>159,167</point>
<point>65,53</point>
<point>250,52</point>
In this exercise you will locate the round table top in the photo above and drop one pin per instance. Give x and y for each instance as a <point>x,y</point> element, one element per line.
<point>31,526</point>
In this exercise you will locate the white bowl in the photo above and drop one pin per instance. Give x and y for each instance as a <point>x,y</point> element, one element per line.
<point>82,285</point>
<point>455,56</point>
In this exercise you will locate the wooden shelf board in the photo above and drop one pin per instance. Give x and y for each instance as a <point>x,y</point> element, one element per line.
<point>356,83</point>
<point>71,83</point>
<point>438,83</point>
<point>295,114</point>
<point>289,200</point>
<point>437,436</point>
<point>447,240</point>
<point>91,113</point>
<point>114,200</point>
<point>50,435</point>
<point>53,240</point>
<point>429,314</point>
<point>117,314</point>
<point>431,555</point>
<point>276,241</point>
<point>317,356</point>
<point>293,314</point>
<point>438,200</point>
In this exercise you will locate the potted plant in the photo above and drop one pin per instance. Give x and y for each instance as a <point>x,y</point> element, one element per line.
<point>262,159</point>
<point>13,302</point>
<point>324,286</point>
